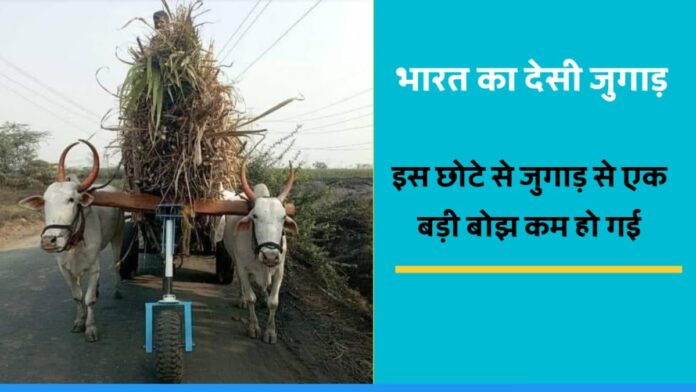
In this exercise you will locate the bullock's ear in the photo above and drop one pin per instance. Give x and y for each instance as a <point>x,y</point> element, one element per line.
<point>32,203</point>
<point>290,226</point>
<point>244,224</point>
<point>86,199</point>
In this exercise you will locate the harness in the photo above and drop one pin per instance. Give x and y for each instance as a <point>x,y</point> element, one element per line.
<point>267,244</point>
<point>76,229</point>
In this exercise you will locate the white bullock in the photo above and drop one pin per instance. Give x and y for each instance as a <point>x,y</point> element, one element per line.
<point>258,246</point>
<point>77,232</point>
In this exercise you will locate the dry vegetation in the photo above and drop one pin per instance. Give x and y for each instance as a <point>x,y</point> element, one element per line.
<point>329,271</point>
<point>17,225</point>
<point>178,122</point>
<point>10,210</point>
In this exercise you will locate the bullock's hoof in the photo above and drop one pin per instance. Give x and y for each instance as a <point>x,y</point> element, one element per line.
<point>254,331</point>
<point>242,304</point>
<point>270,337</point>
<point>78,327</point>
<point>91,334</point>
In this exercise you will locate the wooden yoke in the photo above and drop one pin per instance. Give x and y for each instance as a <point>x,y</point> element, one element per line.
<point>147,203</point>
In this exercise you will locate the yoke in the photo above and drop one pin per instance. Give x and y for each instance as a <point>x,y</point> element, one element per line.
<point>143,202</point>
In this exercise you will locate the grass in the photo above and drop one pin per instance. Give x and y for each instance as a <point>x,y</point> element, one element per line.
<point>324,174</point>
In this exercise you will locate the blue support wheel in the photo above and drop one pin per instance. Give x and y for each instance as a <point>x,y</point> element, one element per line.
<point>171,338</point>
<point>169,343</point>
<point>169,350</point>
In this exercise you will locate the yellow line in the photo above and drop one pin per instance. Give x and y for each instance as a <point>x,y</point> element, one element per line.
<point>538,269</point>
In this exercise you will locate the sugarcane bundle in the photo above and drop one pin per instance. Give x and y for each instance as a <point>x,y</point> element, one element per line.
<point>172,103</point>
<point>179,130</point>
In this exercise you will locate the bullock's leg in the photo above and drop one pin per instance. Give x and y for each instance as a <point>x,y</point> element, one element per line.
<point>270,335</point>
<point>237,283</point>
<point>250,300</point>
<point>90,300</point>
<point>76,290</point>
<point>266,289</point>
<point>116,251</point>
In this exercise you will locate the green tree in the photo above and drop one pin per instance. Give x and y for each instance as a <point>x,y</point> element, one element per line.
<point>320,165</point>
<point>18,147</point>
<point>41,171</point>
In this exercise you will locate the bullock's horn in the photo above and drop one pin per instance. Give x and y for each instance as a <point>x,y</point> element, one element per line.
<point>288,185</point>
<point>94,173</point>
<point>61,162</point>
<point>91,177</point>
<point>245,184</point>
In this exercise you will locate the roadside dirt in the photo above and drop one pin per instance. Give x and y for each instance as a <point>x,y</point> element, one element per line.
<point>331,338</point>
<point>20,233</point>
<point>321,323</point>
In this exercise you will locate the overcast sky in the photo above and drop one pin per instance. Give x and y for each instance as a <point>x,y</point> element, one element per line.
<point>328,57</point>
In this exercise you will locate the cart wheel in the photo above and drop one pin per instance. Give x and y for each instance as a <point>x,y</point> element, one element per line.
<point>223,264</point>
<point>129,265</point>
<point>169,348</point>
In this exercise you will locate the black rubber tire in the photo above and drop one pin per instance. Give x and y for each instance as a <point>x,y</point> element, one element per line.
<point>224,269</point>
<point>169,349</point>
<point>129,265</point>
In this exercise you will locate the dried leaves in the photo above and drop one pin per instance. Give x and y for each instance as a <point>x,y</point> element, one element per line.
<point>171,104</point>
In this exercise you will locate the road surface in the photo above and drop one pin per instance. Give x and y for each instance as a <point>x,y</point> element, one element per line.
<point>36,315</point>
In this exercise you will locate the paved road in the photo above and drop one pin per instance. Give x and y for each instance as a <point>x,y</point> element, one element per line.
<point>36,345</point>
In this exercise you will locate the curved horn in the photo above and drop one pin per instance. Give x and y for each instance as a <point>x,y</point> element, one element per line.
<point>288,185</point>
<point>61,162</point>
<point>94,173</point>
<point>245,184</point>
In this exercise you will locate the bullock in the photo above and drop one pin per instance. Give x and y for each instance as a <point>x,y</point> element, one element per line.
<point>258,246</point>
<point>77,232</point>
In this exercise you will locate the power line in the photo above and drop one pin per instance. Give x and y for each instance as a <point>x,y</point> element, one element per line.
<point>49,99</point>
<point>337,130</point>
<point>349,149</point>
<point>331,131</point>
<point>279,38</point>
<point>342,79</point>
<point>47,87</point>
<point>253,21</point>
<point>294,119</point>
<point>44,108</point>
<point>340,122</point>
<point>340,101</point>
<point>341,149</point>
<point>336,123</point>
<point>240,26</point>
<point>330,147</point>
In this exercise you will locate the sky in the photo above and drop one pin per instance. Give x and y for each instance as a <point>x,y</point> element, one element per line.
<point>51,51</point>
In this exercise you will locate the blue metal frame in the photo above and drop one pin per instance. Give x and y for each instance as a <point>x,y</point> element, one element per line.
<point>188,323</point>
<point>173,212</point>
<point>169,212</point>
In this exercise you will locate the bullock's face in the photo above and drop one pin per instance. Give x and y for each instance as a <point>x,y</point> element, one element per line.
<point>59,204</point>
<point>269,222</point>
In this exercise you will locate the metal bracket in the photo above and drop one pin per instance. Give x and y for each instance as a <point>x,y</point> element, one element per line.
<point>188,322</point>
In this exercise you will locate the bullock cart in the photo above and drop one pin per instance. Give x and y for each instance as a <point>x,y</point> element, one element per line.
<point>180,136</point>
<point>165,334</point>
